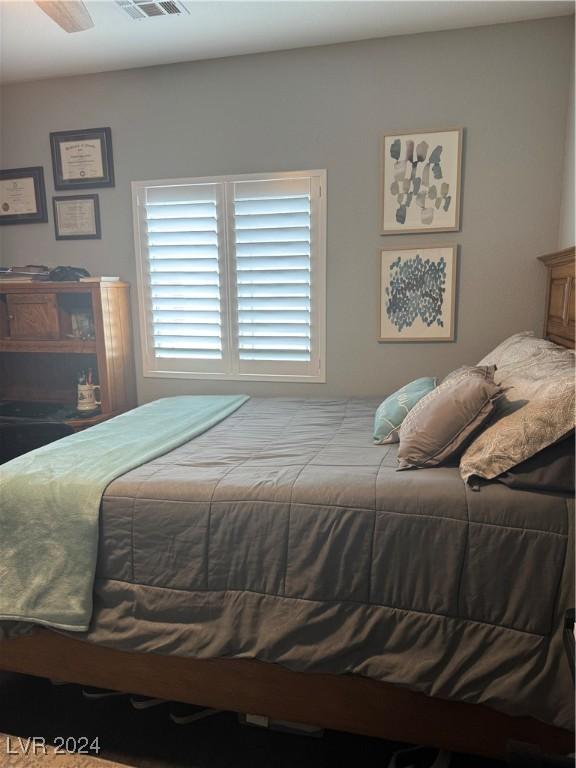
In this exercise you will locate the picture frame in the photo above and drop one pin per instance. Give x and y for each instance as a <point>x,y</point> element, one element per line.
<point>421,181</point>
<point>82,159</point>
<point>418,293</point>
<point>77,217</point>
<point>23,196</point>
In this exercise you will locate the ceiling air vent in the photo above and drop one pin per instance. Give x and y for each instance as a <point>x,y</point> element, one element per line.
<point>145,9</point>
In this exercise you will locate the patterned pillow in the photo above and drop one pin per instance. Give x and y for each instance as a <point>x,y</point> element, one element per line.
<point>392,412</point>
<point>512,348</point>
<point>536,414</point>
<point>442,423</point>
<point>527,357</point>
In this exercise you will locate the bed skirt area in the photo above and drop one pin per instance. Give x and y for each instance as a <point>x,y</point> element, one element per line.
<point>339,702</point>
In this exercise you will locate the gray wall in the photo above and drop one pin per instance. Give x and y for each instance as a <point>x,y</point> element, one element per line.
<point>566,236</point>
<point>328,108</point>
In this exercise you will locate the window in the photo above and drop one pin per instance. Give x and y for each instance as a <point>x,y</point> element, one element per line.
<point>231,276</point>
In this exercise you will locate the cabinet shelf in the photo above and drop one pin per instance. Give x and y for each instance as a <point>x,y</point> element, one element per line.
<point>42,352</point>
<point>63,346</point>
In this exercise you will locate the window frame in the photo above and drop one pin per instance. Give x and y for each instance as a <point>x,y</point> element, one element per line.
<point>152,366</point>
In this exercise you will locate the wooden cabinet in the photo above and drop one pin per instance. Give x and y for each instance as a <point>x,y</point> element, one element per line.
<point>32,316</point>
<point>50,332</point>
<point>559,320</point>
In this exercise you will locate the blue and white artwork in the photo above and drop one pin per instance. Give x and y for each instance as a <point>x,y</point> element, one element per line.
<point>417,299</point>
<point>421,182</point>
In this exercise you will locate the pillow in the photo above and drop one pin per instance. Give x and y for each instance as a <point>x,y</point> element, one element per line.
<point>487,371</point>
<point>502,352</point>
<point>551,469</point>
<point>442,423</point>
<point>392,412</point>
<point>541,414</point>
<point>525,356</point>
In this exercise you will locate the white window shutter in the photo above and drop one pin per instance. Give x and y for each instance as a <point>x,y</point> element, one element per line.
<point>276,266</point>
<point>183,244</point>
<point>232,276</point>
<point>273,269</point>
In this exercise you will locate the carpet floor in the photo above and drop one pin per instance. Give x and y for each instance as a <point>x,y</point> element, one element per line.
<point>149,739</point>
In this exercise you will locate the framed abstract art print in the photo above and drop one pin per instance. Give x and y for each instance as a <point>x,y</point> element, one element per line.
<point>421,182</point>
<point>418,294</point>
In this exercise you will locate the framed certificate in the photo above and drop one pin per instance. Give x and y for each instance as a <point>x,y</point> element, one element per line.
<point>77,218</point>
<point>22,196</point>
<point>82,159</point>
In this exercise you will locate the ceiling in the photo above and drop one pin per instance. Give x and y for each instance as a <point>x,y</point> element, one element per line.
<point>33,47</point>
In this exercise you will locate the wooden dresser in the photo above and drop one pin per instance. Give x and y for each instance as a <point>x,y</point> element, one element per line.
<point>49,332</point>
<point>560,297</point>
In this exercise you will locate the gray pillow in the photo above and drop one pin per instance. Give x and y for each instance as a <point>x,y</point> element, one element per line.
<point>485,371</point>
<point>440,425</point>
<point>551,469</point>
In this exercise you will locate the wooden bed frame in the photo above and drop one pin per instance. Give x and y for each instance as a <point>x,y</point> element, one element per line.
<point>560,295</point>
<point>341,702</point>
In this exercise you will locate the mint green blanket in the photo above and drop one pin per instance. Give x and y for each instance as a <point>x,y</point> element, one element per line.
<point>50,503</point>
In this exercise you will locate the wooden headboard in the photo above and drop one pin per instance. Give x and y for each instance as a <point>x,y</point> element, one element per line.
<point>560,295</point>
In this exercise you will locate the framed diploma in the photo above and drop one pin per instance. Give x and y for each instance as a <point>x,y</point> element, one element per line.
<point>22,196</point>
<point>82,159</point>
<point>77,218</point>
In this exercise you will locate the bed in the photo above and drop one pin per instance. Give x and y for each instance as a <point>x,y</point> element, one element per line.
<point>278,564</point>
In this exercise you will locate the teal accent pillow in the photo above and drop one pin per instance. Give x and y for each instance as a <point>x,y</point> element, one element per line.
<point>392,412</point>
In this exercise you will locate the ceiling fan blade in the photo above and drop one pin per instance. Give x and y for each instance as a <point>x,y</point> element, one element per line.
<point>71,15</point>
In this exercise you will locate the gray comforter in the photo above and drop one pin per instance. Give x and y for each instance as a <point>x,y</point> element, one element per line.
<point>283,534</point>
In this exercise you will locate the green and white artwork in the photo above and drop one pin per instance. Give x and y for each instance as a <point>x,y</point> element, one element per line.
<point>421,182</point>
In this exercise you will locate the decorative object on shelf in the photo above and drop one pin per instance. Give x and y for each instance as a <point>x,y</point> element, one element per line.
<point>30,272</point>
<point>68,274</point>
<point>421,181</point>
<point>100,279</point>
<point>88,400</point>
<point>82,159</point>
<point>77,218</point>
<point>418,294</point>
<point>82,326</point>
<point>23,196</point>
